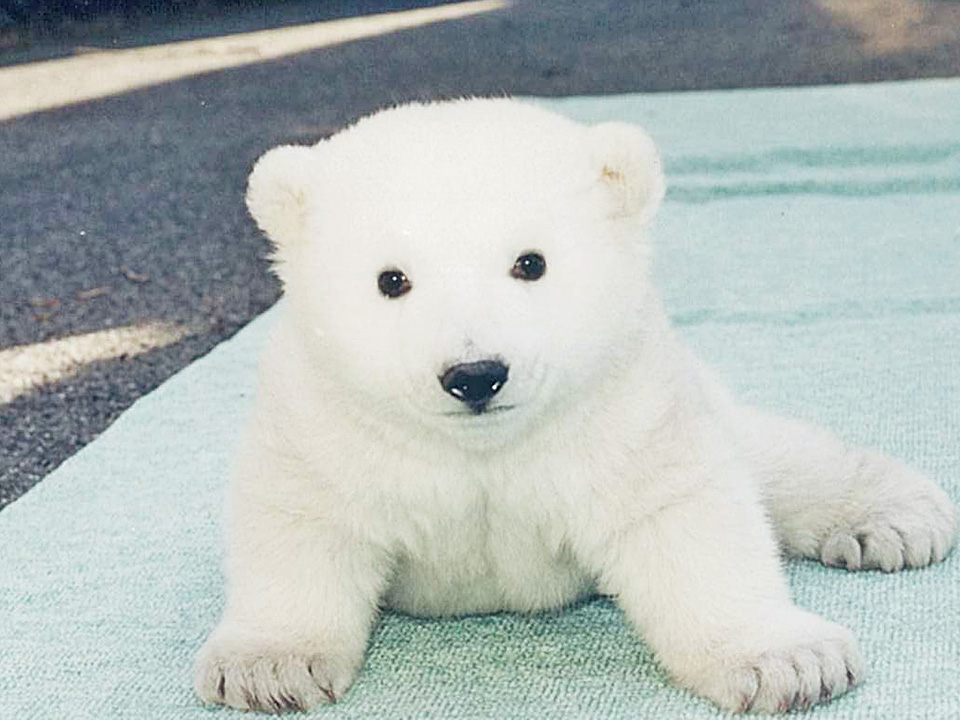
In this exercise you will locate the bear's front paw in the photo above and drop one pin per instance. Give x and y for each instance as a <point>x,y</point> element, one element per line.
<point>914,530</point>
<point>819,663</point>
<point>269,677</point>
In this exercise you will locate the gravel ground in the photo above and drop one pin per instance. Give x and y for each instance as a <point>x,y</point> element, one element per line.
<point>128,210</point>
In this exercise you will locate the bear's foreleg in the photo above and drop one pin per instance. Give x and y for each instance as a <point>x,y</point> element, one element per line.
<point>844,505</point>
<point>301,600</point>
<point>701,580</point>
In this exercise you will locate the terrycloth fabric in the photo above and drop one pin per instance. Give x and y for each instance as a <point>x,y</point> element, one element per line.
<point>809,248</point>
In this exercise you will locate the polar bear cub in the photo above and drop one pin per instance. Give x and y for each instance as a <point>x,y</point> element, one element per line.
<point>474,401</point>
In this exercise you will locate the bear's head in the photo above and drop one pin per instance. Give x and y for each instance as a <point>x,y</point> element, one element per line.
<point>471,266</point>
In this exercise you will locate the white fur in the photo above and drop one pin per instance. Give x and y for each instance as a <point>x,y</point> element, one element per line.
<point>611,461</point>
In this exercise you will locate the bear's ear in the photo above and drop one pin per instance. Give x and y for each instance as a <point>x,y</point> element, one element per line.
<point>628,164</point>
<point>278,191</point>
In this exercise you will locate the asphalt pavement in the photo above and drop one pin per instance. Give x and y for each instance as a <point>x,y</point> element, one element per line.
<point>125,248</point>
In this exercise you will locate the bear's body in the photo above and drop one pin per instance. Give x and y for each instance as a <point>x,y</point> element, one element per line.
<point>474,401</point>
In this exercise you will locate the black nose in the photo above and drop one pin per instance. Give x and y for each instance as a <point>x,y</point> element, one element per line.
<point>475,383</point>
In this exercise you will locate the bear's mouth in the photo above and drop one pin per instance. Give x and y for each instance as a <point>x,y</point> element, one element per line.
<point>479,411</point>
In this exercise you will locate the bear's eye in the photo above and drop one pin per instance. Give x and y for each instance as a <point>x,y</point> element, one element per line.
<point>393,283</point>
<point>529,266</point>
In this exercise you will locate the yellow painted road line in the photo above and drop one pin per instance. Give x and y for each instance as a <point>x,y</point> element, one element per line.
<point>26,367</point>
<point>54,83</point>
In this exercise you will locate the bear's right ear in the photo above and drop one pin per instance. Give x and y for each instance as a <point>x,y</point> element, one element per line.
<point>278,191</point>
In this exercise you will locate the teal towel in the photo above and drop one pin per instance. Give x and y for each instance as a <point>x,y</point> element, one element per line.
<point>809,248</point>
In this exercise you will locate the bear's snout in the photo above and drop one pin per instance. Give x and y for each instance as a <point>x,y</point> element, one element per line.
<point>475,383</point>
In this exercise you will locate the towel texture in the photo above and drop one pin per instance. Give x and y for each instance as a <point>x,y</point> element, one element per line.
<point>809,248</point>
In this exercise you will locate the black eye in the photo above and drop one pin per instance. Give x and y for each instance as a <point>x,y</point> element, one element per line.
<point>393,283</point>
<point>529,266</point>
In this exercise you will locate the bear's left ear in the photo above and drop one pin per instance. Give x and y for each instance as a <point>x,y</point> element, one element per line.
<point>278,192</point>
<point>627,163</point>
